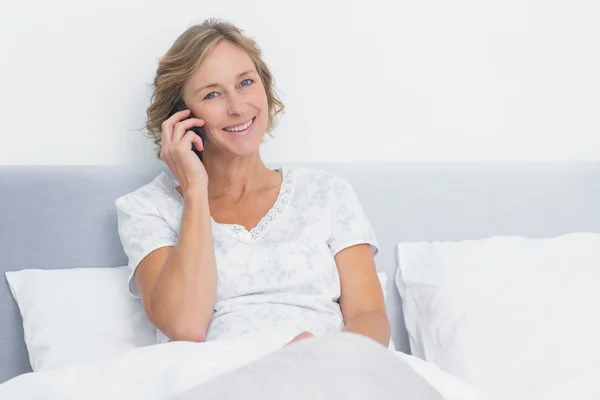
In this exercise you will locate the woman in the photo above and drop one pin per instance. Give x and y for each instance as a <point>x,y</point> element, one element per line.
<point>224,246</point>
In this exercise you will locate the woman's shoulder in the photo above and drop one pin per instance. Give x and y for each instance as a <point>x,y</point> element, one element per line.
<point>319,184</point>
<point>320,180</point>
<point>312,175</point>
<point>161,187</point>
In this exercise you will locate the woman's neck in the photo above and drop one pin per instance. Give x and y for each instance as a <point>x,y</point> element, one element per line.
<point>233,179</point>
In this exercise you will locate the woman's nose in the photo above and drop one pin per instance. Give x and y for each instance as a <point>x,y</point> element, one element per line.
<point>237,105</point>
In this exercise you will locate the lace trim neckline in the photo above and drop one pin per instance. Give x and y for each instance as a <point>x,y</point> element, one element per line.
<point>280,202</point>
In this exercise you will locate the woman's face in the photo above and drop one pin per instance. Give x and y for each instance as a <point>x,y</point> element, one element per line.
<point>227,93</point>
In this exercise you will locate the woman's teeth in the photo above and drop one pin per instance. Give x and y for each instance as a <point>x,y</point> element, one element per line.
<point>241,127</point>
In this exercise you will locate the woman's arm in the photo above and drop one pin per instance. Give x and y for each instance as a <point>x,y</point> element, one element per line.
<point>177,284</point>
<point>361,300</point>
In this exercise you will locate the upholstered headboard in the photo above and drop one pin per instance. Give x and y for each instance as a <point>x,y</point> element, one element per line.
<point>64,217</point>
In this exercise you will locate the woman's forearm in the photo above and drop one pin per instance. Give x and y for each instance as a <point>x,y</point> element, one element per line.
<point>374,325</point>
<point>184,294</point>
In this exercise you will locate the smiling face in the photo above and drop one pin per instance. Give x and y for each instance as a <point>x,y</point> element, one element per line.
<point>227,93</point>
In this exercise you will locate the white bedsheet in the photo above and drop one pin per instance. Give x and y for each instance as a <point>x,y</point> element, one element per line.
<point>165,370</point>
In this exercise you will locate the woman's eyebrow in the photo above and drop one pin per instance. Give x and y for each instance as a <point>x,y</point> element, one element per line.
<point>205,87</point>
<point>216,84</point>
<point>245,73</point>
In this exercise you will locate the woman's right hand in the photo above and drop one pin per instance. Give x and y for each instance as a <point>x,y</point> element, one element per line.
<point>176,151</point>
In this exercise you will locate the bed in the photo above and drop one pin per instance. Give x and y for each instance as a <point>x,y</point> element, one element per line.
<point>62,217</point>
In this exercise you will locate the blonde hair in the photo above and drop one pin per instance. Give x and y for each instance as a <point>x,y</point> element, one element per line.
<point>183,58</point>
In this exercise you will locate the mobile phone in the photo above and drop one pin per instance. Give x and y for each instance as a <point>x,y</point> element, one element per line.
<point>180,106</point>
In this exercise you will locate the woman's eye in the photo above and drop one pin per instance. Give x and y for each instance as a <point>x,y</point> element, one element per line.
<point>211,95</point>
<point>246,82</point>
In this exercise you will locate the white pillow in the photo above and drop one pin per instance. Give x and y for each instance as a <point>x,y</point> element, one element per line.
<point>513,316</point>
<point>75,315</point>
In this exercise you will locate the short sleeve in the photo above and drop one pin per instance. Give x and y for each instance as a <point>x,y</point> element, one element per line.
<point>142,229</point>
<point>350,225</point>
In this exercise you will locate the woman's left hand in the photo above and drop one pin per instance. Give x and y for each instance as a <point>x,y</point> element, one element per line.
<point>303,335</point>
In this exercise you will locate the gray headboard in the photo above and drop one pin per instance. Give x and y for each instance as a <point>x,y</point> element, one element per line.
<point>64,217</point>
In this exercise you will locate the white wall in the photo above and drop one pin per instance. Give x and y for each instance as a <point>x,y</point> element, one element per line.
<point>375,80</point>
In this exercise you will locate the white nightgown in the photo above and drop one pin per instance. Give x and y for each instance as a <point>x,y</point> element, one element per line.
<point>279,275</point>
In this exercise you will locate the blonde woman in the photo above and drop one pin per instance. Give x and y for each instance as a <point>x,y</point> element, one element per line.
<point>223,246</point>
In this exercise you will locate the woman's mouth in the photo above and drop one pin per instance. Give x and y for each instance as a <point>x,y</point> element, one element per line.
<point>239,130</point>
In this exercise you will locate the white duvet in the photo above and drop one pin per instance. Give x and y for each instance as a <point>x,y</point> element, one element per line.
<point>165,370</point>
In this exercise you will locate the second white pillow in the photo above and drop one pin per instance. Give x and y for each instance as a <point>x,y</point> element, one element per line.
<point>509,314</point>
